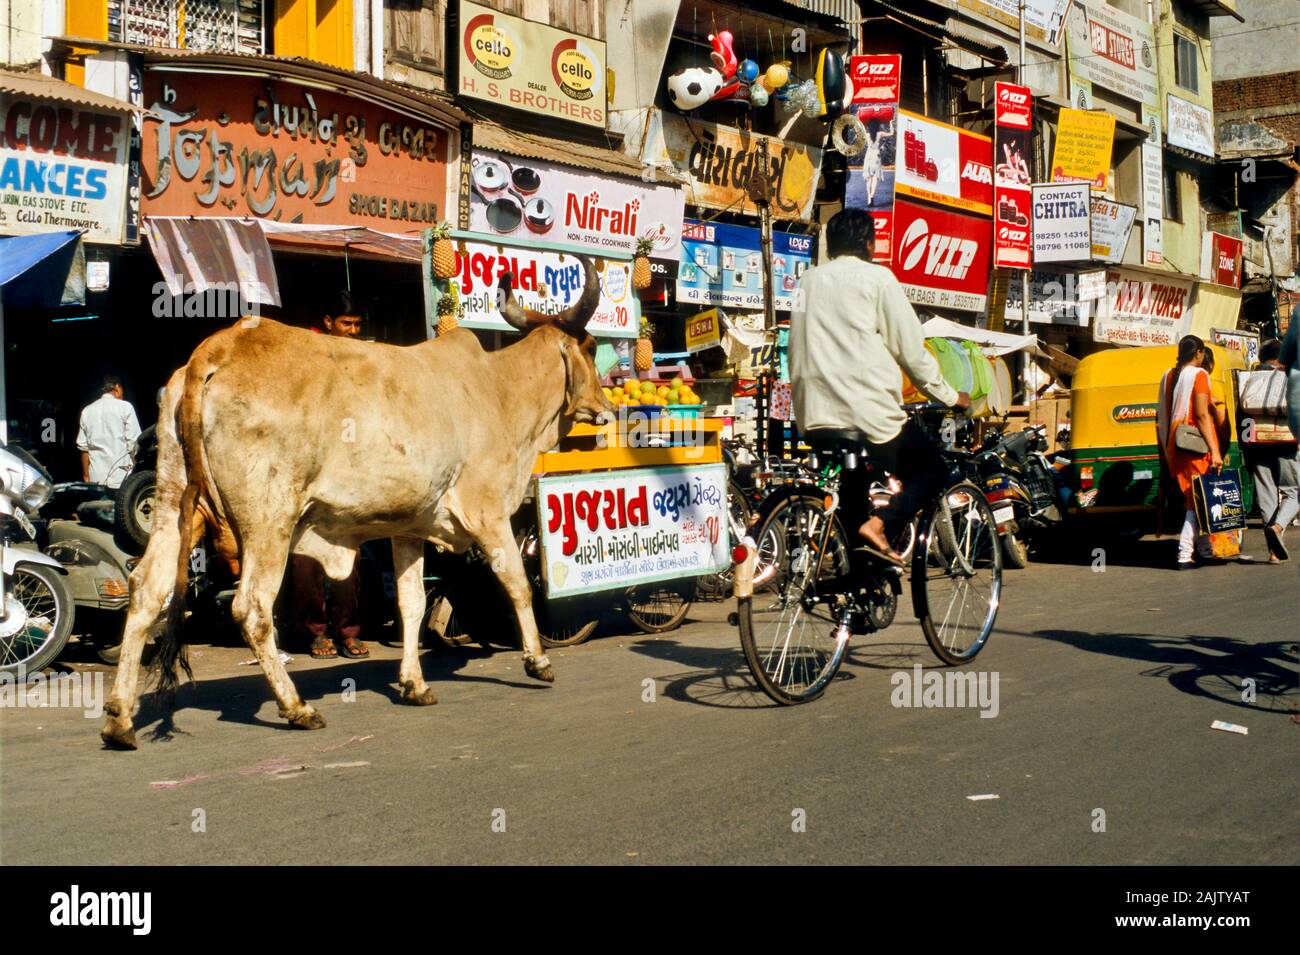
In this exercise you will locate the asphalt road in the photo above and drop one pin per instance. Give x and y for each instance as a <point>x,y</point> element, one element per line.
<point>1108,683</point>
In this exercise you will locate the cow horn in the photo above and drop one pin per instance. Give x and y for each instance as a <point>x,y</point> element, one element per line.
<point>514,313</point>
<point>574,318</point>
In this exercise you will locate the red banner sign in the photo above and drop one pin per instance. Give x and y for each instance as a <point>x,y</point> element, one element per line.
<point>1013,142</point>
<point>942,258</point>
<point>944,164</point>
<point>1221,259</point>
<point>870,183</point>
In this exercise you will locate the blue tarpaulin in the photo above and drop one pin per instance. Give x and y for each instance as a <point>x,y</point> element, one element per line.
<point>18,253</point>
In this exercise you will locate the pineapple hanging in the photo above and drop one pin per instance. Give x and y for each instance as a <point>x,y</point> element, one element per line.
<point>644,358</point>
<point>448,309</point>
<point>641,264</point>
<point>444,252</point>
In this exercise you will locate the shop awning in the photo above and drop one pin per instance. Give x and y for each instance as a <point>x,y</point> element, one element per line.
<point>489,135</point>
<point>214,254</point>
<point>993,343</point>
<point>19,253</point>
<point>296,237</point>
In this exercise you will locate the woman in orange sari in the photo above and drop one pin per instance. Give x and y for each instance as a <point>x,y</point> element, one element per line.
<point>1185,399</point>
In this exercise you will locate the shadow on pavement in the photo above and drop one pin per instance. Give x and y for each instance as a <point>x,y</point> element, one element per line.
<point>1213,667</point>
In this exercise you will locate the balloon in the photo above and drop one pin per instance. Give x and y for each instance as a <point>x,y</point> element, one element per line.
<point>778,74</point>
<point>758,95</point>
<point>748,71</point>
<point>831,83</point>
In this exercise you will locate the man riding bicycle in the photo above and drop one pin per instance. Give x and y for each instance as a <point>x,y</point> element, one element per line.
<point>855,329</point>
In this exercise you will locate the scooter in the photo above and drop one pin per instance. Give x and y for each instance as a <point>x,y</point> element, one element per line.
<point>35,601</point>
<point>1021,487</point>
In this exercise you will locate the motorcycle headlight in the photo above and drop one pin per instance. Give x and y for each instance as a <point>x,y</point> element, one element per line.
<point>37,490</point>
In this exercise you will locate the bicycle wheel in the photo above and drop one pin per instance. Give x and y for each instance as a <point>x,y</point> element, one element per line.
<point>957,573</point>
<point>658,608</point>
<point>791,643</point>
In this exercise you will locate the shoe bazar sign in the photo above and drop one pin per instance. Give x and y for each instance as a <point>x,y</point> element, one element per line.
<point>243,146</point>
<point>62,167</point>
<point>530,66</point>
<point>944,164</point>
<point>622,528</point>
<point>717,163</point>
<point>545,280</point>
<point>538,199</point>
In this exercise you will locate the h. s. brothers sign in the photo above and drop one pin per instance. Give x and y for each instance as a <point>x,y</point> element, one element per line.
<point>62,168</point>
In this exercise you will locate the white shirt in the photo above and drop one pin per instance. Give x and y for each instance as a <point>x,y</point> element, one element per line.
<point>108,428</point>
<point>856,328</point>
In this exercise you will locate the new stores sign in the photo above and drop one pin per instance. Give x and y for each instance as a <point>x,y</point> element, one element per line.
<point>1113,50</point>
<point>1141,309</point>
<point>62,168</point>
<point>531,66</point>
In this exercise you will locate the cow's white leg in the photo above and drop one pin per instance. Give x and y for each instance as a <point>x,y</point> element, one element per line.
<point>408,564</point>
<point>498,543</point>
<point>261,573</point>
<point>152,585</point>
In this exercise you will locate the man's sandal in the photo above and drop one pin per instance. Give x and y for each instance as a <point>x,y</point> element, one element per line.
<point>322,648</point>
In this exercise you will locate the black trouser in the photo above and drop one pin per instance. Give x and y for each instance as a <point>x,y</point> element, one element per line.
<point>913,458</point>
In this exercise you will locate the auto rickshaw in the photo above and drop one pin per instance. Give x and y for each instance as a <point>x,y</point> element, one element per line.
<point>1114,476</point>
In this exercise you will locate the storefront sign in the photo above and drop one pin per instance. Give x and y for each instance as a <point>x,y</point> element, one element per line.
<point>1142,310</point>
<point>1245,344</point>
<point>703,331</point>
<point>62,167</point>
<point>542,200</point>
<point>723,265</point>
<point>1112,49</point>
<point>944,164</point>
<point>943,258</point>
<point>238,146</point>
<point>1062,222</point>
<point>870,183</point>
<point>1057,298</point>
<point>1044,19</point>
<point>530,66</point>
<point>618,529</point>
<point>1191,126</point>
<point>544,280</point>
<point>1083,145</point>
<point>718,161</point>
<point>1221,259</point>
<point>1153,193</point>
<point>1013,147</point>
<point>1112,224</point>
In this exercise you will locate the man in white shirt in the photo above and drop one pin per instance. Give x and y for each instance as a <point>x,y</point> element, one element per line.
<point>855,329</point>
<point>108,430</point>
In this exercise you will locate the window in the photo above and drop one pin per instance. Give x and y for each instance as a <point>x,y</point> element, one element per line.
<point>1186,63</point>
<point>1173,207</point>
<point>227,26</point>
<point>414,32</point>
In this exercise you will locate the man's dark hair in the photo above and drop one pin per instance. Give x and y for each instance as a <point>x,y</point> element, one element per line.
<point>343,304</point>
<point>110,382</point>
<point>850,232</point>
<point>1188,347</point>
<point>1271,350</point>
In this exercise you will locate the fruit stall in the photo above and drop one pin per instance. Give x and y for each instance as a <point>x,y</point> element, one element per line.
<point>621,518</point>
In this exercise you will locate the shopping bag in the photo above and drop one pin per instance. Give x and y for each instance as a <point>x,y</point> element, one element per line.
<point>1218,502</point>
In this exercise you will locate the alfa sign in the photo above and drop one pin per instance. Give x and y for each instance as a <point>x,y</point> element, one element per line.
<point>942,258</point>
<point>531,66</point>
<point>944,164</point>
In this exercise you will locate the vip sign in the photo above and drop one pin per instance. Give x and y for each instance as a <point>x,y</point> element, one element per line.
<point>942,258</point>
<point>944,164</point>
<point>871,172</point>
<point>1013,144</point>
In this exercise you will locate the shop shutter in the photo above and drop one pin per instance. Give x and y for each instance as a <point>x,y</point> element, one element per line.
<point>415,31</point>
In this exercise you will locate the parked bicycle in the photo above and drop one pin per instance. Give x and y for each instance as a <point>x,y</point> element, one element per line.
<point>795,635</point>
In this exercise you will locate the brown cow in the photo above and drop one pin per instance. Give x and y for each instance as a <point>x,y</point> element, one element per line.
<point>287,441</point>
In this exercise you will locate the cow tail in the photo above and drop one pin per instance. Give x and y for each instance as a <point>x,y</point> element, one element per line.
<point>171,656</point>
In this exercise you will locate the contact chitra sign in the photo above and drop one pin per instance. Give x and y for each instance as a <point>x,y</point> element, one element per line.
<point>531,66</point>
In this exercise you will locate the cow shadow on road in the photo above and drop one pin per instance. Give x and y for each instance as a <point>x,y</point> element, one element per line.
<point>238,699</point>
<point>1261,677</point>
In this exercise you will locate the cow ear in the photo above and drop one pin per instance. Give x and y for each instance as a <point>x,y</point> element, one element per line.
<point>571,354</point>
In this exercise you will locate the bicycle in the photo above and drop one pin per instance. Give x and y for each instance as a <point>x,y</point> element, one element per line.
<point>795,636</point>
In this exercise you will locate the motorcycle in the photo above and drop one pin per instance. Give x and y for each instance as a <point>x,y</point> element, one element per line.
<point>35,602</point>
<point>1021,487</point>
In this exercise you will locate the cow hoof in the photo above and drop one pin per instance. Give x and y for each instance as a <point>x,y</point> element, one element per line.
<point>308,720</point>
<point>117,736</point>
<point>539,669</point>
<point>426,698</point>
